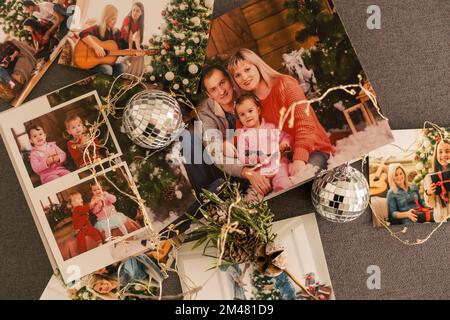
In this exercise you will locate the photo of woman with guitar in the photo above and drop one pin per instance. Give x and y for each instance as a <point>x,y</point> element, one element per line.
<point>103,31</point>
<point>103,48</point>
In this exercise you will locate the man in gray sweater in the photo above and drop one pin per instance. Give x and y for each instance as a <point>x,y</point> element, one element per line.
<point>218,119</point>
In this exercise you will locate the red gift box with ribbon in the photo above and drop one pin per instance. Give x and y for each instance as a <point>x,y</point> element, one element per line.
<point>442,182</point>
<point>423,214</point>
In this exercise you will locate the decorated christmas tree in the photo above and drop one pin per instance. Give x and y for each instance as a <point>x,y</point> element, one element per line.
<point>11,19</point>
<point>154,177</point>
<point>185,30</point>
<point>264,287</point>
<point>56,213</point>
<point>425,152</point>
<point>332,58</point>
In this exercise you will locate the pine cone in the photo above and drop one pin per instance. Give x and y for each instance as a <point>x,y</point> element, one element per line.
<point>237,255</point>
<point>246,239</point>
<point>216,213</point>
<point>169,193</point>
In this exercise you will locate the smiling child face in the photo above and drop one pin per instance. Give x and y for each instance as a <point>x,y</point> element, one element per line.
<point>76,200</point>
<point>248,113</point>
<point>38,137</point>
<point>443,154</point>
<point>96,190</point>
<point>75,127</point>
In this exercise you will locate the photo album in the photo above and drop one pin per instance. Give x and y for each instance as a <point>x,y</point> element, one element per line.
<point>266,96</point>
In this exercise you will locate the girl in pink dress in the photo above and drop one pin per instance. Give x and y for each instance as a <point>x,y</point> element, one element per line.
<point>46,158</point>
<point>108,218</point>
<point>260,144</point>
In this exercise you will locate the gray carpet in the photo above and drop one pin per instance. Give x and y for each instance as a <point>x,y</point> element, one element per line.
<point>407,63</point>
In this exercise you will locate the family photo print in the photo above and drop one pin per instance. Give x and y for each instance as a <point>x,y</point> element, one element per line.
<point>273,81</point>
<point>32,34</point>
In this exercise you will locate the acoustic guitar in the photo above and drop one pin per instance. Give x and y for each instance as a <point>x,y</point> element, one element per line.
<point>378,181</point>
<point>85,58</point>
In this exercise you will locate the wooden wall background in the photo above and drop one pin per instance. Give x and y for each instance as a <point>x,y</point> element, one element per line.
<point>259,25</point>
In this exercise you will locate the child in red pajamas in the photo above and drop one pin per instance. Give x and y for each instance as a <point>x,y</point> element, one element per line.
<point>81,153</point>
<point>81,223</point>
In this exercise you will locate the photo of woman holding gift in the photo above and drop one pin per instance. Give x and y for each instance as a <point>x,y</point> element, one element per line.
<point>403,200</point>
<point>437,183</point>
<point>410,178</point>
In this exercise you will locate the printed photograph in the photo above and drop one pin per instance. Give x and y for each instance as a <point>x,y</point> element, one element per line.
<point>163,40</point>
<point>93,213</point>
<point>266,56</point>
<point>31,35</point>
<point>298,239</point>
<point>410,178</point>
<point>139,275</point>
<point>58,143</point>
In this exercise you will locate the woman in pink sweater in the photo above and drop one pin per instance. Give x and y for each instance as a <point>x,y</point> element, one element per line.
<point>46,158</point>
<point>277,91</point>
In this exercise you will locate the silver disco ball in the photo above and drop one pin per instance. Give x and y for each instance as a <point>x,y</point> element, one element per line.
<point>152,119</point>
<point>341,195</point>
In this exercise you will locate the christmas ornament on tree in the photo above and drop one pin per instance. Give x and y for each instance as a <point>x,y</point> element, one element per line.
<point>331,57</point>
<point>12,16</point>
<point>264,287</point>
<point>341,195</point>
<point>152,119</point>
<point>183,41</point>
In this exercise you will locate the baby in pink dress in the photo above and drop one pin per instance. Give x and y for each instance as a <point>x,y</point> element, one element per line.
<point>108,218</point>
<point>46,158</point>
<point>261,144</point>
